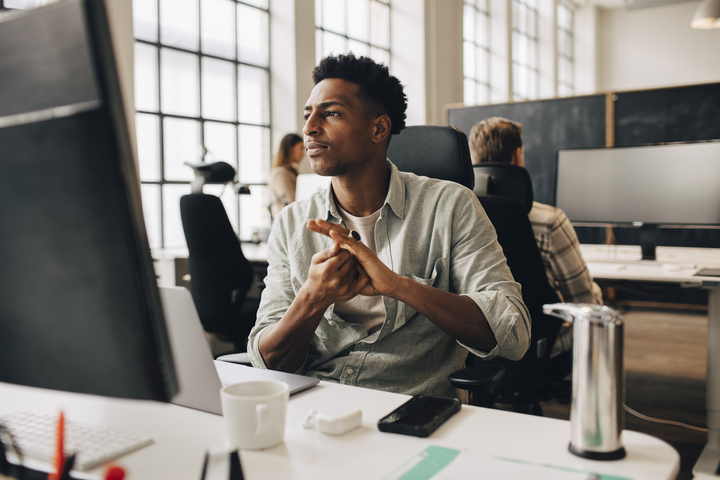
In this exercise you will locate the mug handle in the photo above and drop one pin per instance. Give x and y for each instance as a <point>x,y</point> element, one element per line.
<point>261,416</point>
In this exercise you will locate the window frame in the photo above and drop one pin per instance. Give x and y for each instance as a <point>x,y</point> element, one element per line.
<point>321,29</point>
<point>476,47</point>
<point>564,56</point>
<point>533,42</point>
<point>236,123</point>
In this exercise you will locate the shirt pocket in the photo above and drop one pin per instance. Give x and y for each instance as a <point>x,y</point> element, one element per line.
<point>439,278</point>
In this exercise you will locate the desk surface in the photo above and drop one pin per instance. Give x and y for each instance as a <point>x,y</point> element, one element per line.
<point>255,252</point>
<point>673,264</point>
<point>182,435</point>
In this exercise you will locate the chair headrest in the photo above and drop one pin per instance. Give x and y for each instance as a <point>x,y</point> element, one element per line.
<point>212,173</point>
<point>433,151</point>
<point>505,180</point>
<point>215,172</point>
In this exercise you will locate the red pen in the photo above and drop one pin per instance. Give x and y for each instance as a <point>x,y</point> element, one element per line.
<point>59,459</point>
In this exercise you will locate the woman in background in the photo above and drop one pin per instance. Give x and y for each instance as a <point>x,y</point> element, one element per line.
<point>283,175</point>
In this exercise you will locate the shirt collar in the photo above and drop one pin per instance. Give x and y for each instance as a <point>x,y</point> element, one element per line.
<point>395,198</point>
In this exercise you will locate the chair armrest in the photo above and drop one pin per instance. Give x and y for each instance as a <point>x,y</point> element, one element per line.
<point>479,381</point>
<point>241,358</point>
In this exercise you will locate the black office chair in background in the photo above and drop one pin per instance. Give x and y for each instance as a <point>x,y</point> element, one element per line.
<point>506,195</point>
<point>220,275</point>
<point>443,152</point>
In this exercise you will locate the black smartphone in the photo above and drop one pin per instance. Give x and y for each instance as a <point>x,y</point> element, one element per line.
<point>419,416</point>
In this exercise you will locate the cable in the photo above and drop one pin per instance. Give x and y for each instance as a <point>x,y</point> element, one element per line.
<point>660,420</point>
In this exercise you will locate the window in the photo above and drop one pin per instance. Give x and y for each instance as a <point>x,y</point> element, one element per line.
<point>358,26</point>
<point>525,72</point>
<point>565,50</point>
<point>476,52</point>
<point>201,91</point>
<point>24,4</point>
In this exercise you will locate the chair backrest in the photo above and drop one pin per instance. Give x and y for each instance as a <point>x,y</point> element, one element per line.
<point>220,275</point>
<point>504,180</point>
<point>516,237</point>
<point>507,200</point>
<point>433,151</point>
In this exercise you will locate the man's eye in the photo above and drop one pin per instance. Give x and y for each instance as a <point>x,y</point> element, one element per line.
<point>332,114</point>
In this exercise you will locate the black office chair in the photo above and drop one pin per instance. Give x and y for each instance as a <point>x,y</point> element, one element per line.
<point>220,275</point>
<point>507,201</point>
<point>442,152</point>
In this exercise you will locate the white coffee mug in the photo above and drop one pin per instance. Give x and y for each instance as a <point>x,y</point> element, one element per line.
<point>255,413</point>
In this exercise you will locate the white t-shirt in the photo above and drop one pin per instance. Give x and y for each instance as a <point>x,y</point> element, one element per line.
<point>367,311</point>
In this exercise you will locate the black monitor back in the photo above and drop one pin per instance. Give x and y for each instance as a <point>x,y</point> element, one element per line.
<point>79,305</point>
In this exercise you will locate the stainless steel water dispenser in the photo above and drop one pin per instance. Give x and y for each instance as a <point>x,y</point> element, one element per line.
<point>598,380</point>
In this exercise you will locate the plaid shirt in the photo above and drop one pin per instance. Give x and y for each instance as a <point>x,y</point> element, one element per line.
<point>564,264</point>
<point>560,251</point>
<point>436,233</point>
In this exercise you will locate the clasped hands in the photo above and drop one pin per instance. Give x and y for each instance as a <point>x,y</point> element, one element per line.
<point>347,268</point>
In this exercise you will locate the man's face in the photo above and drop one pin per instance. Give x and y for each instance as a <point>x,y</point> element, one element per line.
<point>338,133</point>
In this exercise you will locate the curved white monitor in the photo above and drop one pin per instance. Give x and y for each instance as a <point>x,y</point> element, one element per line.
<point>667,185</point>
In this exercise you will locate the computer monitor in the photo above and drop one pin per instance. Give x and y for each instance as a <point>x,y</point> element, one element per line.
<point>672,185</point>
<point>79,305</point>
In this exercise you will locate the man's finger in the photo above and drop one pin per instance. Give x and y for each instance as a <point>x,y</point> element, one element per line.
<point>351,244</point>
<point>328,253</point>
<point>323,227</point>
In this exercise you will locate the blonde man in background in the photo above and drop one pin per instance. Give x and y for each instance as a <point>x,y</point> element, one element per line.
<point>499,140</point>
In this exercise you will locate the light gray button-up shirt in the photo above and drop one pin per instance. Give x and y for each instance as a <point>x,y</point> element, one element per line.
<point>432,231</point>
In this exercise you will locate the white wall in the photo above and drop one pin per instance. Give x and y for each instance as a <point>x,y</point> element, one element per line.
<point>654,47</point>
<point>586,19</point>
<point>292,59</point>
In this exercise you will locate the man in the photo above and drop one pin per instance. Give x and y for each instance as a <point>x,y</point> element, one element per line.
<point>499,140</point>
<point>360,275</point>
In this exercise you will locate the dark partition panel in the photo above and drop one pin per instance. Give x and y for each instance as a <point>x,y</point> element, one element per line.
<point>681,114</point>
<point>547,125</point>
<point>678,114</point>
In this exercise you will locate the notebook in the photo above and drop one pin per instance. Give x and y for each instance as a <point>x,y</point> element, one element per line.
<point>199,376</point>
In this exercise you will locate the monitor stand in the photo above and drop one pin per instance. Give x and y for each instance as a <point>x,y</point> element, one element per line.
<point>648,240</point>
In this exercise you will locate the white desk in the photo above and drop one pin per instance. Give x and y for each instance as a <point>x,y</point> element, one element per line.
<point>623,263</point>
<point>182,435</point>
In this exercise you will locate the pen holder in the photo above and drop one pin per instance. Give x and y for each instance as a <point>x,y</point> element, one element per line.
<point>222,464</point>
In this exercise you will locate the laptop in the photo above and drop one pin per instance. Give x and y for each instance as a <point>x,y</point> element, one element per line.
<point>200,377</point>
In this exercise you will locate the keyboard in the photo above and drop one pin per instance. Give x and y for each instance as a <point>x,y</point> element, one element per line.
<point>35,434</point>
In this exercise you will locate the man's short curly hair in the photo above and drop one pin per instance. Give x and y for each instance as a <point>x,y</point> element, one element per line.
<point>380,92</point>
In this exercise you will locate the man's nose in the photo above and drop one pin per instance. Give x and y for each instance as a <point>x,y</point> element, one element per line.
<point>311,125</point>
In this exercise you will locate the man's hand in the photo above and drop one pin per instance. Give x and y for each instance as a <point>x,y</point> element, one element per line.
<point>333,277</point>
<point>375,275</point>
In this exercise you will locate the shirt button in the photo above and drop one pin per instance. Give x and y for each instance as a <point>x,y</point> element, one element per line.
<point>350,371</point>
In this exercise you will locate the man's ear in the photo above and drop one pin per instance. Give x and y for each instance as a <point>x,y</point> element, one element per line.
<point>381,127</point>
<point>517,157</point>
